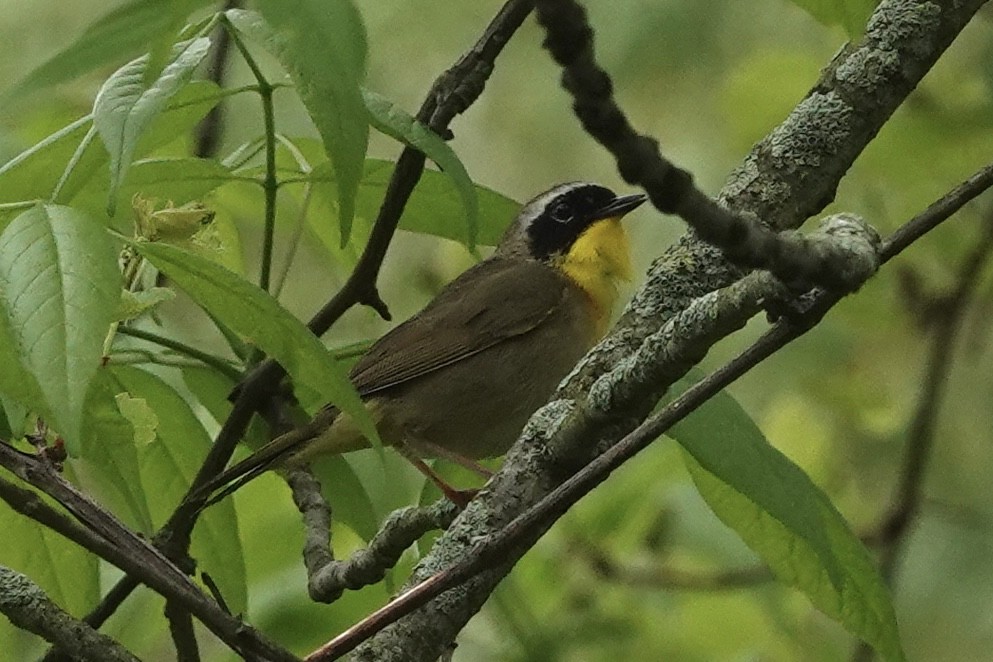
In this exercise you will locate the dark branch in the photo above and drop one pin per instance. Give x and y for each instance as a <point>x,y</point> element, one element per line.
<point>211,128</point>
<point>107,537</point>
<point>895,529</point>
<point>792,257</point>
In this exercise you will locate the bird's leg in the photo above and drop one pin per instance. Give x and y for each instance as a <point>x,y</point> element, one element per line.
<point>460,498</point>
<point>427,448</point>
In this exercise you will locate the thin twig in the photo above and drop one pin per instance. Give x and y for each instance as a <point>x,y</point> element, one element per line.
<point>215,362</point>
<point>270,184</point>
<point>181,630</point>
<point>894,531</point>
<point>792,257</point>
<point>329,578</point>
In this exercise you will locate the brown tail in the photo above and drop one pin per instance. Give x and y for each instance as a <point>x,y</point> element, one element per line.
<point>265,458</point>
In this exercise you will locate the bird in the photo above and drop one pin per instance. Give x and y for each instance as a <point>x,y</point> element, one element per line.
<point>459,379</point>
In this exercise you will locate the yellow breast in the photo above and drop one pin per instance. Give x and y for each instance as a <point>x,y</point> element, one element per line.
<point>596,261</point>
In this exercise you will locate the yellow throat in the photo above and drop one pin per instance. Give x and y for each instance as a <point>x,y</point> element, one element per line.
<point>596,261</point>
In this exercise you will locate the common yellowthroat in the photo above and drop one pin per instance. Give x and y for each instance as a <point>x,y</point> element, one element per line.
<point>460,378</point>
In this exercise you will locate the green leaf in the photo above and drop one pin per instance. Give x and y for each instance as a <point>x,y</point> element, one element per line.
<point>69,574</point>
<point>59,292</point>
<point>126,105</point>
<point>141,417</point>
<point>849,14</point>
<point>108,459</point>
<point>134,304</point>
<point>33,173</point>
<point>167,466</point>
<point>342,487</point>
<point>395,122</point>
<point>322,44</point>
<point>211,390</point>
<point>116,35</point>
<point>256,315</point>
<point>174,180</point>
<point>434,208</point>
<point>776,509</point>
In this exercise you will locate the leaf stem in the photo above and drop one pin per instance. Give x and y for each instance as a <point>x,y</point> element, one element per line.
<point>20,204</point>
<point>77,156</point>
<point>219,364</point>
<point>269,184</point>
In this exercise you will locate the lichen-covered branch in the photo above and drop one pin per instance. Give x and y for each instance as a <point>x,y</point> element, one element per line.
<point>787,177</point>
<point>743,240</point>
<point>329,578</point>
<point>27,606</point>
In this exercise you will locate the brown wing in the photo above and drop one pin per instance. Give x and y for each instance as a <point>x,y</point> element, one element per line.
<point>495,300</point>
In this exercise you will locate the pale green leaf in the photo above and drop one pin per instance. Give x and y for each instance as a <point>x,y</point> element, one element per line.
<point>125,105</point>
<point>395,122</point>
<point>121,33</point>
<point>342,487</point>
<point>69,574</point>
<point>322,44</point>
<point>134,304</point>
<point>167,465</point>
<point>141,417</point>
<point>178,181</point>
<point>108,459</point>
<point>849,14</point>
<point>776,509</point>
<point>59,292</point>
<point>33,173</point>
<point>434,208</point>
<point>257,316</point>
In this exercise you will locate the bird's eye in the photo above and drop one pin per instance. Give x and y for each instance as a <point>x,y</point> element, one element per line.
<point>561,213</point>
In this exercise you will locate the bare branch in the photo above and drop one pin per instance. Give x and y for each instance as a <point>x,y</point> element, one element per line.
<point>329,578</point>
<point>111,540</point>
<point>743,240</point>
<point>895,529</point>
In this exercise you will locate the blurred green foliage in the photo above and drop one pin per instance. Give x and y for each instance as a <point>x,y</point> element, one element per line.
<point>708,79</point>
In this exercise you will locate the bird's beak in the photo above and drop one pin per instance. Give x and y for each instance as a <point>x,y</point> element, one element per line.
<point>619,206</point>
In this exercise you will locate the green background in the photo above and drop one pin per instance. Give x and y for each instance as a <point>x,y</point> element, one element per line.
<point>708,79</point>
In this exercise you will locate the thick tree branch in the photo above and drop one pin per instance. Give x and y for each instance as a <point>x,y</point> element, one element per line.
<point>788,176</point>
<point>560,430</point>
<point>29,608</point>
<point>503,545</point>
